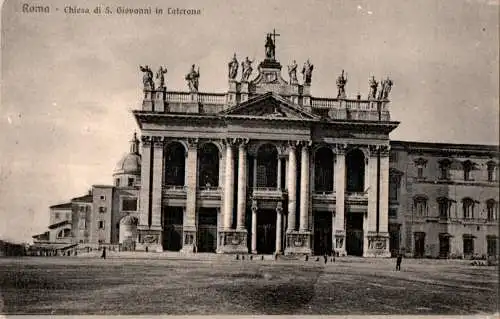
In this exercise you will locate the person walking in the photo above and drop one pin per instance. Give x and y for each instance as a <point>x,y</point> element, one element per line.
<point>398,262</point>
<point>103,256</point>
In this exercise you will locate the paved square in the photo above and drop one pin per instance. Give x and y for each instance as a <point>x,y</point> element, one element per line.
<point>71,285</point>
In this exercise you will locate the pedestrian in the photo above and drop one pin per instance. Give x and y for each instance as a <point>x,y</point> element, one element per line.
<point>103,253</point>
<point>325,257</point>
<point>398,261</point>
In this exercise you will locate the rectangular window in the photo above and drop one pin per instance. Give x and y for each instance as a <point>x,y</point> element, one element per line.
<point>103,197</point>
<point>444,172</point>
<point>443,209</point>
<point>100,225</point>
<point>102,209</point>
<point>117,182</point>
<point>82,221</point>
<point>130,181</point>
<point>129,204</point>
<point>491,243</point>
<point>468,246</point>
<point>420,172</point>
<point>56,216</point>
<point>82,208</point>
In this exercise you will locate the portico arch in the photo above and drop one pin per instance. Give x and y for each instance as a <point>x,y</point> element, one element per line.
<point>355,167</point>
<point>267,166</point>
<point>175,164</point>
<point>208,161</point>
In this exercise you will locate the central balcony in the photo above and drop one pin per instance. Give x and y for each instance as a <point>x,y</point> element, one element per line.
<point>268,193</point>
<point>210,192</point>
<point>321,196</point>
<point>356,197</point>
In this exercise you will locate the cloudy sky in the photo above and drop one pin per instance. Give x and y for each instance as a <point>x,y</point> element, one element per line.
<point>69,81</point>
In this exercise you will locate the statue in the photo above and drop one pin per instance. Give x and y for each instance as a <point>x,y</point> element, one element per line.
<point>372,95</point>
<point>160,77</point>
<point>292,72</point>
<point>192,78</point>
<point>307,72</point>
<point>147,78</point>
<point>247,69</point>
<point>341,82</point>
<point>233,68</point>
<point>385,89</point>
<point>270,47</point>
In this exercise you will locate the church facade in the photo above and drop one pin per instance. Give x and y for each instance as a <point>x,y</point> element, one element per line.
<point>267,168</point>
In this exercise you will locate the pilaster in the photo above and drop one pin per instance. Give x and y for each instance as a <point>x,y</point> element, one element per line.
<point>145,179</point>
<point>339,181</point>
<point>279,222</point>
<point>156,209</point>
<point>242,184</point>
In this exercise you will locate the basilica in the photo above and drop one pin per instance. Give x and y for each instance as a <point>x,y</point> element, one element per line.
<point>267,168</point>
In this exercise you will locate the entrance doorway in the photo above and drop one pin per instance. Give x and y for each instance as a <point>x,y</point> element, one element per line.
<point>207,230</point>
<point>266,231</point>
<point>322,233</point>
<point>394,231</point>
<point>172,228</point>
<point>354,234</point>
<point>419,244</point>
<point>444,245</point>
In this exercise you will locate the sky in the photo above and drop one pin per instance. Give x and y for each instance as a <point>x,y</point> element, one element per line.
<point>70,81</point>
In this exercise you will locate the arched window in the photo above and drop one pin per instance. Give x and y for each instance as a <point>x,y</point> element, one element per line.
<point>355,163</point>
<point>175,164</point>
<point>491,209</point>
<point>468,166</point>
<point>444,169</point>
<point>468,208</point>
<point>444,206</point>
<point>492,171</point>
<point>267,166</point>
<point>209,166</point>
<point>420,205</point>
<point>323,170</point>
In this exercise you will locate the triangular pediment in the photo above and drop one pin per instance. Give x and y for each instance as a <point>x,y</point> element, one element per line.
<point>270,105</point>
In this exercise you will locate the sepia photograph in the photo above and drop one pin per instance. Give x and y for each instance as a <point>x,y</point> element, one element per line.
<point>334,158</point>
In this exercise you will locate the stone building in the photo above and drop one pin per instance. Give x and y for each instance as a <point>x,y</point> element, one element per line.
<point>266,167</point>
<point>443,199</point>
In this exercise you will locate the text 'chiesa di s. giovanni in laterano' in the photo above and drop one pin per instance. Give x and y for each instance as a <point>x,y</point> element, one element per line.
<point>268,168</point>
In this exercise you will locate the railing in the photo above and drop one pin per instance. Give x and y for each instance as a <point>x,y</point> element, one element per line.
<point>210,191</point>
<point>186,97</point>
<point>174,190</point>
<point>271,192</point>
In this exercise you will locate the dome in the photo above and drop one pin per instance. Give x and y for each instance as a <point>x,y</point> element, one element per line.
<point>129,164</point>
<point>129,220</point>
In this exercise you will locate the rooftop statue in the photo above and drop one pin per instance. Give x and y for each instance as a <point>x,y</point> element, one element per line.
<point>372,95</point>
<point>307,72</point>
<point>160,77</point>
<point>246,69</point>
<point>193,79</point>
<point>292,72</point>
<point>233,68</point>
<point>341,82</point>
<point>270,47</point>
<point>385,89</point>
<point>147,78</point>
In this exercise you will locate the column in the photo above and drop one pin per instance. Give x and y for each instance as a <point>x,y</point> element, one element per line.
<point>279,174</point>
<point>242,186</point>
<point>279,222</point>
<point>228,186</point>
<point>145,179</point>
<point>156,203</point>
<point>339,182</point>
<point>254,227</point>
<point>292,188</point>
<point>372,189</point>
<point>304,188</point>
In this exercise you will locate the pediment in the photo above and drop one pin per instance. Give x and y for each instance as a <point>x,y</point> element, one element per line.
<point>270,105</point>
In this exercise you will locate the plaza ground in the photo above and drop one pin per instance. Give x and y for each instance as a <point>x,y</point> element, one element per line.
<point>163,285</point>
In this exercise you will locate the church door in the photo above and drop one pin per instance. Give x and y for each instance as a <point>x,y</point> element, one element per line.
<point>172,228</point>
<point>266,231</point>
<point>322,233</point>
<point>207,230</point>
<point>354,234</point>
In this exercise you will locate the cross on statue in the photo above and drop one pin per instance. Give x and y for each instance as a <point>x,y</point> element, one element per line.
<point>271,45</point>
<point>274,34</point>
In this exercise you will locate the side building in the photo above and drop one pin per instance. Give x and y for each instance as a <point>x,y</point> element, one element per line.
<point>443,199</point>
